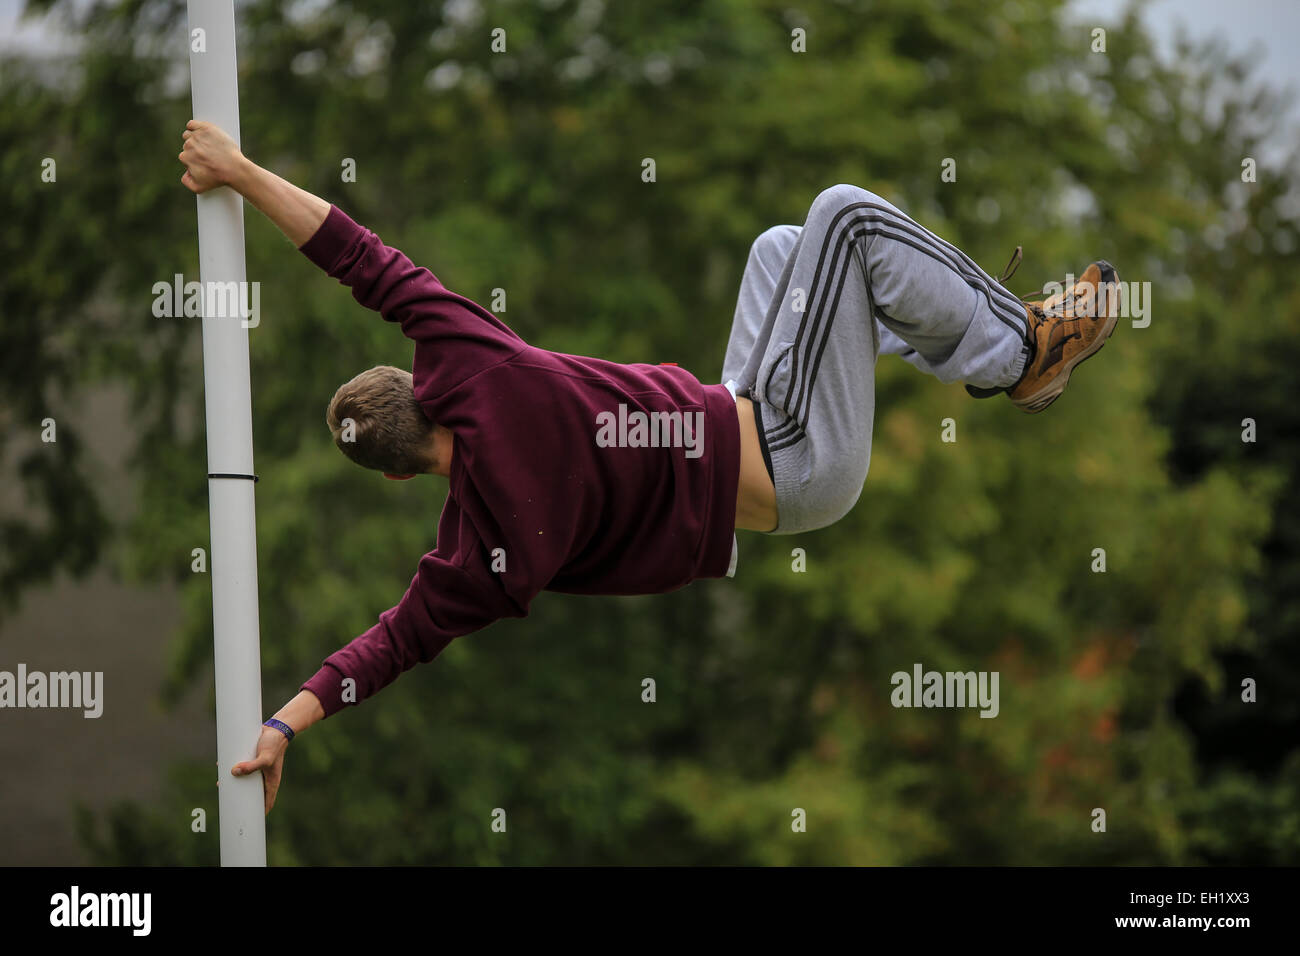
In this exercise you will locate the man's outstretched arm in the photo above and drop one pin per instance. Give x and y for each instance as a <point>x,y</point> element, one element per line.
<point>455,337</point>
<point>212,159</point>
<point>300,713</point>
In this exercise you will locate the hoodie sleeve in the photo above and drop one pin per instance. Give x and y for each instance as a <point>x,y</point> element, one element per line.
<point>456,338</point>
<point>453,593</point>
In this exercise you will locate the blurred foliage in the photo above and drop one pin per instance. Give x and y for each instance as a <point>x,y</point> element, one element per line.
<point>521,170</point>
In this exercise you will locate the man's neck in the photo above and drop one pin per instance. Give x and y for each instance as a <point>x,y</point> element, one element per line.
<point>443,443</point>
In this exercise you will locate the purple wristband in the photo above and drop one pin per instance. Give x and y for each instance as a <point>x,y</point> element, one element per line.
<point>279,725</point>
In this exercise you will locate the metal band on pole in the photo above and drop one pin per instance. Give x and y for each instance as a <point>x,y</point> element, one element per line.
<point>228,404</point>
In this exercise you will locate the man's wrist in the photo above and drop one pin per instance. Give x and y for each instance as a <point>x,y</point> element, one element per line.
<point>243,174</point>
<point>279,726</point>
<point>301,712</point>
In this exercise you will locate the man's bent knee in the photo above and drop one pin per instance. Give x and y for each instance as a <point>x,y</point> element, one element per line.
<point>774,244</point>
<point>833,199</point>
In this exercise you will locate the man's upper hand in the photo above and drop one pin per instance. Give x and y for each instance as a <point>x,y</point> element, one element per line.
<point>212,159</point>
<point>210,156</point>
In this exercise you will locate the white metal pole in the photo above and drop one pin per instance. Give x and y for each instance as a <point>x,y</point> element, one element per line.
<point>233,557</point>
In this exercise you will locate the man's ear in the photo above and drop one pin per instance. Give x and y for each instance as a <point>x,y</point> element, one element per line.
<point>398,477</point>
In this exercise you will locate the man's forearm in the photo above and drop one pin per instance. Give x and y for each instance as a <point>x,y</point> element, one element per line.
<point>296,212</point>
<point>301,712</point>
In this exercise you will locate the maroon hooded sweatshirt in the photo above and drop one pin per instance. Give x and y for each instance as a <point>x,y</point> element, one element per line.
<point>549,466</point>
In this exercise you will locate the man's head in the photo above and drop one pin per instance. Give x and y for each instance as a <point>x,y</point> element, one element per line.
<point>376,421</point>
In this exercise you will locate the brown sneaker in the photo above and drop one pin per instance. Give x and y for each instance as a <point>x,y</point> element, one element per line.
<point>1066,330</point>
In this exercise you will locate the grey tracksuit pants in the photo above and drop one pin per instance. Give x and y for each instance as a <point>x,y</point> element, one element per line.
<point>818,305</point>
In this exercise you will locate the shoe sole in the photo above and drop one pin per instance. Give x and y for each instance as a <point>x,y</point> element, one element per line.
<point>1045,396</point>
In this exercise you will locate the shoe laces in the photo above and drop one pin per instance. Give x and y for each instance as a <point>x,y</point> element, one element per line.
<point>1012,265</point>
<point>1038,311</point>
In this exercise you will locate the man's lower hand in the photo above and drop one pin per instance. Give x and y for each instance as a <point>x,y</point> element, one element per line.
<point>271,746</point>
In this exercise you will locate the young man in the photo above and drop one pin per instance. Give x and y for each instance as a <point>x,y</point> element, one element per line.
<point>584,476</point>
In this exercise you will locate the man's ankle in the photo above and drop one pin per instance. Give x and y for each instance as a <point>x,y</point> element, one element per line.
<point>1021,365</point>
